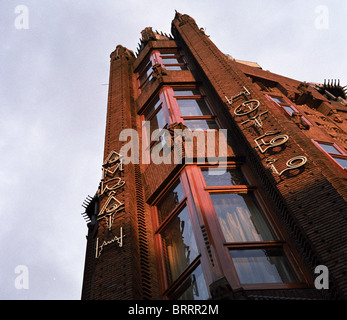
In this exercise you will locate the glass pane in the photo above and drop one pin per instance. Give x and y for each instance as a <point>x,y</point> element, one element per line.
<point>240,218</point>
<point>176,68</point>
<point>288,109</point>
<point>223,176</point>
<point>168,54</point>
<point>155,116</point>
<point>193,107</point>
<point>278,100</point>
<point>170,201</point>
<point>342,162</point>
<point>145,73</point>
<point>187,92</point>
<point>179,243</point>
<point>158,121</point>
<point>170,60</point>
<point>193,288</point>
<point>152,108</point>
<point>262,266</point>
<point>329,148</point>
<point>209,124</point>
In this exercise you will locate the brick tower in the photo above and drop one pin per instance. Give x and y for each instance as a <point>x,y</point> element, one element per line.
<point>220,180</point>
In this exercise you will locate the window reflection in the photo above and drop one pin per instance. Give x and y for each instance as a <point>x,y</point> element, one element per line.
<point>170,201</point>
<point>240,218</point>
<point>222,177</point>
<point>179,243</point>
<point>193,288</point>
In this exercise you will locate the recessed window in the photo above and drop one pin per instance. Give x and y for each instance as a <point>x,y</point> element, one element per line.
<point>278,100</point>
<point>201,124</point>
<point>289,110</point>
<point>329,148</point>
<point>155,115</point>
<point>187,92</point>
<point>341,161</point>
<point>333,151</point>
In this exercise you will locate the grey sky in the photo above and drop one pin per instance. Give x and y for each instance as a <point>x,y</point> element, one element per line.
<point>53,107</point>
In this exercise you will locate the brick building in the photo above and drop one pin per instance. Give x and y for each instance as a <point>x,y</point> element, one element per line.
<point>245,209</point>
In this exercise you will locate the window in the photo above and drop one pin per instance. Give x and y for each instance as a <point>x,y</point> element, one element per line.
<point>183,276</point>
<point>173,60</point>
<point>241,220</point>
<point>258,253</point>
<point>333,151</point>
<point>262,266</point>
<point>178,105</point>
<point>248,242</point>
<point>156,116</point>
<point>286,106</point>
<point>193,288</point>
<point>145,73</point>
<point>194,109</point>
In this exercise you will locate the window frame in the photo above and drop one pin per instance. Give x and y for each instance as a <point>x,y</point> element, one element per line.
<point>204,203</point>
<point>155,57</point>
<point>331,155</point>
<point>171,111</point>
<point>283,106</point>
<point>169,289</point>
<point>202,214</point>
<point>202,96</point>
<point>176,54</point>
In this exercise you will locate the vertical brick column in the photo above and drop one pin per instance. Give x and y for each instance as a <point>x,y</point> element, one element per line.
<point>117,267</point>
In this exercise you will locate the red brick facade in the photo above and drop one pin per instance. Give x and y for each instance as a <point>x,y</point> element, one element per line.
<point>127,256</point>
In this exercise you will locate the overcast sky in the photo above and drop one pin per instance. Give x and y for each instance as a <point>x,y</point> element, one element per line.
<point>53,95</point>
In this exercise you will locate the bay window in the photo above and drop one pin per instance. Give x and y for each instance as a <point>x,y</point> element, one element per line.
<point>182,276</point>
<point>188,106</point>
<point>194,109</point>
<point>170,59</point>
<point>252,250</point>
<point>257,250</point>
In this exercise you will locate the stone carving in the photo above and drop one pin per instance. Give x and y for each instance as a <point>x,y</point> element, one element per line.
<point>158,71</point>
